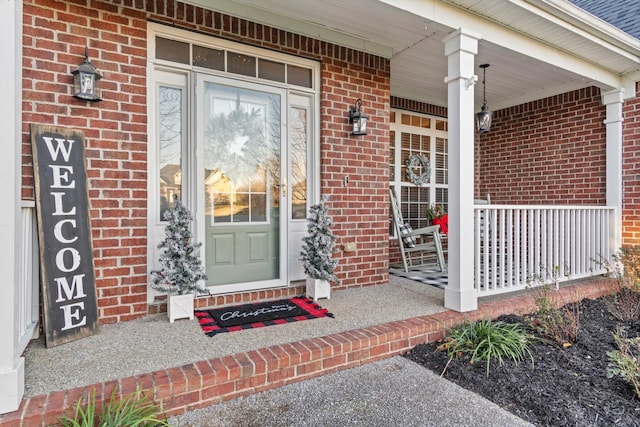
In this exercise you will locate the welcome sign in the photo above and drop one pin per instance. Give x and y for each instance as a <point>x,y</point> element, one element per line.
<point>67,273</point>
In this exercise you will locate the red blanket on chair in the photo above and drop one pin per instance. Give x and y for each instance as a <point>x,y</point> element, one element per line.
<point>443,222</point>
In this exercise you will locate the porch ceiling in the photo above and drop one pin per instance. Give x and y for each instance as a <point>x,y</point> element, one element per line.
<point>536,48</point>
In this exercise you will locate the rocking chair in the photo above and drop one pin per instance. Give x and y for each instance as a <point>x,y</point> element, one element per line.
<point>421,249</point>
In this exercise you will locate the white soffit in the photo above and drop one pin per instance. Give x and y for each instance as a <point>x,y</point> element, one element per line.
<point>564,26</point>
<point>535,47</point>
<point>310,18</point>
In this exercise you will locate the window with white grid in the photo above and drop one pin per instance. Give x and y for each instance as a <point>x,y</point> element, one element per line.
<point>422,135</point>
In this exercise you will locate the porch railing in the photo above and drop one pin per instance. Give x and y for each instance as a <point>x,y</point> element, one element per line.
<point>517,245</point>
<point>28,286</point>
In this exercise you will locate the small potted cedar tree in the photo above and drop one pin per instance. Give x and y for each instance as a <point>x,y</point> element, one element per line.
<point>317,250</point>
<point>181,271</point>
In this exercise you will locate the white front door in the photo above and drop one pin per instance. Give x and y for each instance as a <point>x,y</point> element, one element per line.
<point>241,187</point>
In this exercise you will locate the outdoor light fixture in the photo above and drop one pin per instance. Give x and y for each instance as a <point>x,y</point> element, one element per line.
<point>86,80</point>
<point>483,118</point>
<point>358,119</point>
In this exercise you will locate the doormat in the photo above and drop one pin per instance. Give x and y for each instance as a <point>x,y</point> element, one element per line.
<point>259,314</point>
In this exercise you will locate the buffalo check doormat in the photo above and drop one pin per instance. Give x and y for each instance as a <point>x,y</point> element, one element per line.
<point>256,315</point>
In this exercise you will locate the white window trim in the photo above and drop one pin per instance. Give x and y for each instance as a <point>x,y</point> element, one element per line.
<point>155,30</point>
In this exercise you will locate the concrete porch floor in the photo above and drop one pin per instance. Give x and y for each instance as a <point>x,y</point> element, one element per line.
<point>188,370</point>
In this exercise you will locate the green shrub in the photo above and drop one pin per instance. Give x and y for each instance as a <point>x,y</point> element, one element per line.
<point>486,340</point>
<point>625,362</point>
<point>134,410</point>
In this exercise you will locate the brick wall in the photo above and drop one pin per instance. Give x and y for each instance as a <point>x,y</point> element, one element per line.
<point>55,35</point>
<point>550,151</point>
<point>360,209</point>
<point>418,107</point>
<point>631,171</point>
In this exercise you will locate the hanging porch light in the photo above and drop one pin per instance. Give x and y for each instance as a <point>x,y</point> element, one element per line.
<point>483,118</point>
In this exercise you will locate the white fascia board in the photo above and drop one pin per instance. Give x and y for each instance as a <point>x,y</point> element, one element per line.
<point>454,17</point>
<point>263,16</point>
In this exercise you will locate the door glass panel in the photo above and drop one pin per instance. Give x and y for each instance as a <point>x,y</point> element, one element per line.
<point>170,136</point>
<point>172,50</point>
<point>271,70</point>
<point>242,141</point>
<point>299,76</point>
<point>298,140</point>
<point>208,58</point>
<point>241,64</point>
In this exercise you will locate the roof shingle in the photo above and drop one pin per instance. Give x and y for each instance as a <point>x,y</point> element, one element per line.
<point>624,14</point>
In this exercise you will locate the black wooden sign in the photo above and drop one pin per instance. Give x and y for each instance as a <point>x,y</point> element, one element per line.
<point>67,273</point>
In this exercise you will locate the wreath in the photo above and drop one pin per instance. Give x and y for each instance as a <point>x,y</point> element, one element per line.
<point>414,162</point>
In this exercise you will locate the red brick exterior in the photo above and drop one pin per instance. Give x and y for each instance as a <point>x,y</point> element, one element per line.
<point>418,107</point>
<point>631,171</point>
<point>55,35</point>
<point>550,151</point>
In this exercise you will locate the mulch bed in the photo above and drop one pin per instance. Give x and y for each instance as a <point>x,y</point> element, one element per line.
<point>564,387</point>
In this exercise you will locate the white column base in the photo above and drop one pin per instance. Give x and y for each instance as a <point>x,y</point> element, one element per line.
<point>12,387</point>
<point>460,300</point>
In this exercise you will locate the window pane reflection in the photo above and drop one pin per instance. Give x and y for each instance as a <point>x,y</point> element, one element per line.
<point>298,152</point>
<point>170,134</point>
<point>242,154</point>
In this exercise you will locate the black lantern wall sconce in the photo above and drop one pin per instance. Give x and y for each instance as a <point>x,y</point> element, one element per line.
<point>358,119</point>
<point>483,118</point>
<point>86,81</point>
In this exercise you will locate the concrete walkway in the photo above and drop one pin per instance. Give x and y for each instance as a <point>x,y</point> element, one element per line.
<point>389,393</point>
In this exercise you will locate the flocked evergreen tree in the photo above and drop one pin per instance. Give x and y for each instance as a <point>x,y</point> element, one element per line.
<point>319,244</point>
<point>181,267</point>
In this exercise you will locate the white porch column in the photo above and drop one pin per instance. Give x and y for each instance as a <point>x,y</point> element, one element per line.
<point>11,364</point>
<point>460,49</point>
<point>614,101</point>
